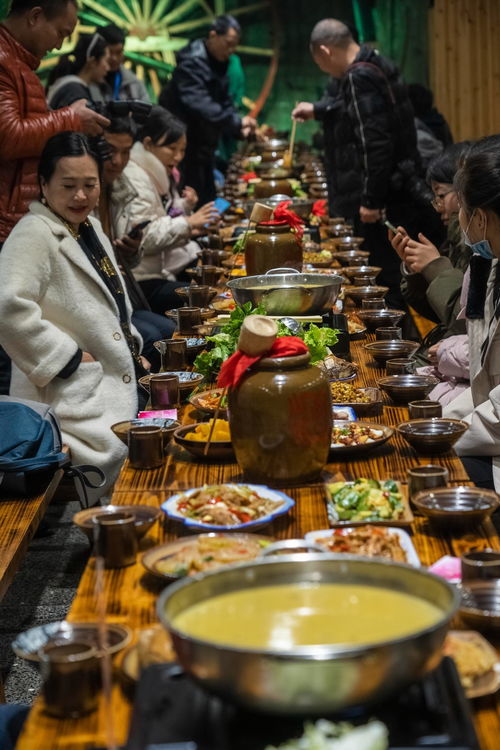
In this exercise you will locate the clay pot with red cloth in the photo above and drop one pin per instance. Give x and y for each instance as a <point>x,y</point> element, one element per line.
<point>276,243</point>
<point>280,413</point>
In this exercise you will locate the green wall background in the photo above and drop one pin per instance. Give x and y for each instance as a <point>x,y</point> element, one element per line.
<point>398,28</point>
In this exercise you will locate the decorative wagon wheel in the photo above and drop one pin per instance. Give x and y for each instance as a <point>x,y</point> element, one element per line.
<point>156,31</point>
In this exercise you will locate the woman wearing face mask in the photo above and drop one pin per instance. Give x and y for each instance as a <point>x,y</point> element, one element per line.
<point>478,187</point>
<point>65,312</point>
<point>432,279</point>
<point>167,246</point>
<point>70,80</point>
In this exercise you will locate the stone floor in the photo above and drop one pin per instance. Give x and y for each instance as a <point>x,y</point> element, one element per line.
<point>41,592</point>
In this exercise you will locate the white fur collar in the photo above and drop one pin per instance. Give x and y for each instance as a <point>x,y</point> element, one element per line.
<point>153,166</point>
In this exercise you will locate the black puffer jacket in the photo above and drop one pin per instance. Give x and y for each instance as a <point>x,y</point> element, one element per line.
<point>369,132</point>
<point>198,93</point>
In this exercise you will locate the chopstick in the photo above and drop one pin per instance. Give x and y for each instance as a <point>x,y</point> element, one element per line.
<point>102,633</point>
<point>212,426</point>
<point>288,160</point>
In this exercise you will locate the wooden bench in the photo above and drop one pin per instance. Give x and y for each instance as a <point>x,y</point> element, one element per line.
<point>19,520</point>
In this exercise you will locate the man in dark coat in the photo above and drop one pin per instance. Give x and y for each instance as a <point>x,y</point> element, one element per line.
<point>371,143</point>
<point>198,93</point>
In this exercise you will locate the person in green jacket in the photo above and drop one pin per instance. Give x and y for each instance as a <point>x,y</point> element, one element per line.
<point>432,279</point>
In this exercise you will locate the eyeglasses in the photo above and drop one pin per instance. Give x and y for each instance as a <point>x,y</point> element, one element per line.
<point>437,202</point>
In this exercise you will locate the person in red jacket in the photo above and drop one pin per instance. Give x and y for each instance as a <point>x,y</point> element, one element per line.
<point>32,28</point>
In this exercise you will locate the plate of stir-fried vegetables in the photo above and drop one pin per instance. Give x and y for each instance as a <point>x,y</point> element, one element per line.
<point>227,507</point>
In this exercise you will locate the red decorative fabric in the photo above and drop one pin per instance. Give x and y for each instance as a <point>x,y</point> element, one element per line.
<point>319,208</point>
<point>249,176</point>
<point>283,213</point>
<point>234,368</point>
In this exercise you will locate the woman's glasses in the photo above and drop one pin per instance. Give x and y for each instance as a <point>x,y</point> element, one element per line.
<point>438,201</point>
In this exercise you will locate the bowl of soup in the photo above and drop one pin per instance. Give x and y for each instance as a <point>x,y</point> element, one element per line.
<point>308,633</point>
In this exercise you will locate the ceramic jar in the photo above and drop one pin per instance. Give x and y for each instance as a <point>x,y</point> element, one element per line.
<point>280,418</point>
<point>272,186</point>
<point>272,245</point>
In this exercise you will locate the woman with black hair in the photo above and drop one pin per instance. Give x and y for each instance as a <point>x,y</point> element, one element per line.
<point>65,311</point>
<point>432,279</point>
<point>72,77</point>
<point>167,246</point>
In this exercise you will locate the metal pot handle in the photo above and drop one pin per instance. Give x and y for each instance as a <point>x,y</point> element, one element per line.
<point>292,544</point>
<point>280,270</point>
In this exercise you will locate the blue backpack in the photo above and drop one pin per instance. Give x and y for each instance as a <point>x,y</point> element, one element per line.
<point>31,450</point>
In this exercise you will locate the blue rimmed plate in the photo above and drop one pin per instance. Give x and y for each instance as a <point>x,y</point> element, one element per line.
<point>285,503</point>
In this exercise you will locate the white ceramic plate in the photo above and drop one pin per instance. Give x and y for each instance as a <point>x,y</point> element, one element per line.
<point>404,540</point>
<point>170,507</point>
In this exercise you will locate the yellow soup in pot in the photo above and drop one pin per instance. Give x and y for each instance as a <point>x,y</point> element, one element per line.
<point>286,616</point>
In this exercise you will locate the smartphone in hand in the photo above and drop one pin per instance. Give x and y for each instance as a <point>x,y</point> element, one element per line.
<point>135,232</point>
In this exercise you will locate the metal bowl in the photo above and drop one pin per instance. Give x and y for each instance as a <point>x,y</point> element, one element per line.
<point>218,450</point>
<point>383,350</point>
<point>457,506</point>
<point>433,435</point>
<point>290,293</point>
<point>405,388</point>
<point>317,679</point>
<point>366,271</point>
<point>376,318</point>
<point>359,293</point>
<point>480,606</point>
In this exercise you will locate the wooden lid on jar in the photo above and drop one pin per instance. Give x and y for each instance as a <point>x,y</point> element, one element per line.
<point>257,335</point>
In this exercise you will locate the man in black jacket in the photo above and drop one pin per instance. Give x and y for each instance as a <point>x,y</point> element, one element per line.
<point>198,93</point>
<point>372,155</point>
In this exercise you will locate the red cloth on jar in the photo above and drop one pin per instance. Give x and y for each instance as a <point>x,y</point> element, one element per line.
<point>234,368</point>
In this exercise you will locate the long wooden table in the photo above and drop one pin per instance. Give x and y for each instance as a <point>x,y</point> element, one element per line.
<point>132,595</point>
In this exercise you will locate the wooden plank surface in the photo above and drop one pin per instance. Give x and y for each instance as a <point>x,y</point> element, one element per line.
<point>132,593</point>
<point>19,520</point>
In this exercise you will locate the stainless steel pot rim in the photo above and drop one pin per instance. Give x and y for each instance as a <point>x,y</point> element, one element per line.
<point>322,652</point>
<point>282,279</point>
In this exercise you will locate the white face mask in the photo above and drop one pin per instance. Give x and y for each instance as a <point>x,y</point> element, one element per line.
<point>483,247</point>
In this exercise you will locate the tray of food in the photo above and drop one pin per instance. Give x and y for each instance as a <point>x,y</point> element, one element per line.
<point>357,437</point>
<point>367,501</point>
<point>356,328</point>
<point>476,660</point>
<point>365,401</point>
<point>197,554</point>
<point>336,368</point>
<point>369,541</point>
<point>207,401</point>
<point>227,507</point>
<point>322,259</point>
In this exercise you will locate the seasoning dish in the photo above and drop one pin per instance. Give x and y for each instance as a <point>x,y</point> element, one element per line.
<point>432,435</point>
<point>480,605</point>
<point>457,506</point>
<point>261,505</point>
<point>27,644</point>
<point>218,450</point>
<point>145,517</point>
<point>376,318</point>
<point>385,349</point>
<point>207,401</point>
<point>366,402</point>
<point>405,388</point>
<point>168,427</point>
<point>357,437</point>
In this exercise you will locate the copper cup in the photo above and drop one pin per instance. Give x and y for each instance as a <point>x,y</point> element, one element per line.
<point>145,447</point>
<point>71,678</point>
<point>198,295</point>
<point>173,354</point>
<point>115,538</point>
<point>426,477</point>
<point>164,390</point>
<point>480,565</point>
<point>187,319</point>
<point>400,366</point>
<point>210,275</point>
<point>424,409</point>
<point>364,280</point>
<point>377,303</point>
<point>388,333</point>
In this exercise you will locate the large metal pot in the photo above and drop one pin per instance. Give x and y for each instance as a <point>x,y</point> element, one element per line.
<point>284,291</point>
<point>316,679</point>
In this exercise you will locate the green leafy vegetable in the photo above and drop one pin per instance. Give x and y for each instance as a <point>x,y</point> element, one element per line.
<point>318,340</point>
<point>325,735</point>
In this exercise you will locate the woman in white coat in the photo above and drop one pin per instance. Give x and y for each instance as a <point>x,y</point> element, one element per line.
<point>478,187</point>
<point>65,312</point>
<point>167,246</point>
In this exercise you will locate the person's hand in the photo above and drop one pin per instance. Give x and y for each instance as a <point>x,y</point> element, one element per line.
<point>202,216</point>
<point>91,123</point>
<point>369,215</point>
<point>145,362</point>
<point>432,353</point>
<point>128,246</point>
<point>190,196</point>
<point>303,111</point>
<point>87,357</point>
<point>248,126</point>
<point>419,254</point>
<point>399,241</point>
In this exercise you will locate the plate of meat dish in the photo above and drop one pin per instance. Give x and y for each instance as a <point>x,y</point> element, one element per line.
<point>227,507</point>
<point>368,541</point>
<point>357,437</point>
